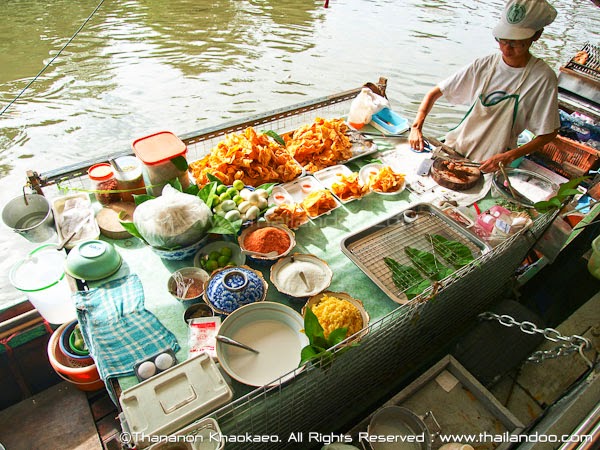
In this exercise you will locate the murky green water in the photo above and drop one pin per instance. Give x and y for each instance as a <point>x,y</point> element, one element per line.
<point>181,65</point>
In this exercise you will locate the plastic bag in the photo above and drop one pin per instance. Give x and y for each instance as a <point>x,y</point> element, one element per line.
<point>364,106</point>
<point>173,220</point>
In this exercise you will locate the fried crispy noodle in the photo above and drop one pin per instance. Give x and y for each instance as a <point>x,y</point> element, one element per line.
<point>386,180</point>
<point>320,144</point>
<point>318,202</point>
<point>251,157</point>
<point>348,187</point>
<point>291,215</point>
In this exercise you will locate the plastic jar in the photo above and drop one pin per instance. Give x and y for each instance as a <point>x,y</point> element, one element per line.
<point>103,180</point>
<point>163,155</point>
<point>41,276</point>
<point>129,177</point>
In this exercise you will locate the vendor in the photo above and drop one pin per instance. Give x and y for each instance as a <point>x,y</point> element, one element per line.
<point>508,92</point>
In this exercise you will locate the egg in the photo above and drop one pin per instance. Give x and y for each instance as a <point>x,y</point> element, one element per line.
<point>146,370</point>
<point>164,361</point>
<point>253,198</point>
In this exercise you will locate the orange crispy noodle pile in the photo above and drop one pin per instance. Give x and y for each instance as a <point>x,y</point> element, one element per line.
<point>321,144</point>
<point>251,157</point>
<point>291,215</point>
<point>386,180</point>
<point>348,187</point>
<point>318,202</point>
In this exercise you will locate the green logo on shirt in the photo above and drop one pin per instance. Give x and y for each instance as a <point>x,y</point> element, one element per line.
<point>515,14</point>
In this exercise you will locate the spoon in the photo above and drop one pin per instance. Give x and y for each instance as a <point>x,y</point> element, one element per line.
<point>229,341</point>
<point>264,255</point>
<point>304,280</point>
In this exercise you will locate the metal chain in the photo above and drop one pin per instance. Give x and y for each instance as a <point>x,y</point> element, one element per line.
<point>567,346</point>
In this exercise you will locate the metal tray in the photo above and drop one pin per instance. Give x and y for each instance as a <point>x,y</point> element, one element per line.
<point>368,248</point>
<point>460,404</point>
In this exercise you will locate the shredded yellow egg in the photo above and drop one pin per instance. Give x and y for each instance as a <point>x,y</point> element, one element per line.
<point>334,313</point>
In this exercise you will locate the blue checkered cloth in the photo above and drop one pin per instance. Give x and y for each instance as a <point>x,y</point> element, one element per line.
<point>118,330</point>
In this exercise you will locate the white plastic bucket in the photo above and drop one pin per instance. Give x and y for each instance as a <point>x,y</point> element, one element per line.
<point>41,276</point>
<point>30,215</point>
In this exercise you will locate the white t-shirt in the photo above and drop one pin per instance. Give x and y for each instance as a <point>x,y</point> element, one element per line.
<point>538,96</point>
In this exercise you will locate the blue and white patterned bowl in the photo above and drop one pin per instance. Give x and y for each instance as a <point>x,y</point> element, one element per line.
<point>231,287</point>
<point>181,253</point>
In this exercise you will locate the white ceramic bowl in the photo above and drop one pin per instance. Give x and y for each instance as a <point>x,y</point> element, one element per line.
<point>275,330</point>
<point>237,257</point>
<point>286,278</point>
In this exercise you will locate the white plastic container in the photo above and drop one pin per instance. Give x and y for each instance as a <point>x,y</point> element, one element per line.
<point>41,276</point>
<point>172,399</point>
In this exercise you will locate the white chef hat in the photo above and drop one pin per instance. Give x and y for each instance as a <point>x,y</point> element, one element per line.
<point>521,19</point>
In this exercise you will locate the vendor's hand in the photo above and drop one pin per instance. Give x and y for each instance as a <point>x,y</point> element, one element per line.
<point>492,164</point>
<point>415,139</point>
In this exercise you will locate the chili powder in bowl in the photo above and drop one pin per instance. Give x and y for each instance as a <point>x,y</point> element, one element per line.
<point>266,238</point>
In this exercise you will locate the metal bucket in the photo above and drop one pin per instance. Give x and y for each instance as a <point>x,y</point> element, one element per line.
<point>408,430</point>
<point>31,216</point>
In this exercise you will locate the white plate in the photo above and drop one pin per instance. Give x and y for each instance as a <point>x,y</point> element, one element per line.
<point>275,330</point>
<point>300,188</point>
<point>373,168</point>
<point>329,175</point>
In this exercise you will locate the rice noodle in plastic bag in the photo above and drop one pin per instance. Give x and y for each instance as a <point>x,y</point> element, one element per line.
<point>173,220</point>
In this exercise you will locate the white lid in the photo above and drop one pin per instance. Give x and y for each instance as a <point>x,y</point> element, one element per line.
<point>42,268</point>
<point>174,398</point>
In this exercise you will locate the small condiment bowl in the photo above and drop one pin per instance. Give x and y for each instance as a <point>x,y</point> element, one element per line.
<point>229,288</point>
<point>195,290</point>
<point>265,260</point>
<point>316,299</point>
<point>285,276</point>
<point>197,310</point>
<point>409,215</point>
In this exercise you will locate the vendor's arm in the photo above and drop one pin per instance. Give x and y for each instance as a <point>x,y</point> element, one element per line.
<point>491,164</point>
<point>415,138</point>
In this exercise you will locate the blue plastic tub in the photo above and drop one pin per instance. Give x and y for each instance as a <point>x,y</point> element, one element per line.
<point>389,122</point>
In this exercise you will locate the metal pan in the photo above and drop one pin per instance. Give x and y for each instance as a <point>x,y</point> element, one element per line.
<point>403,428</point>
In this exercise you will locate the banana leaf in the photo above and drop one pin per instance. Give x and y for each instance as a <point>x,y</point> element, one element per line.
<point>428,264</point>
<point>453,252</point>
<point>407,278</point>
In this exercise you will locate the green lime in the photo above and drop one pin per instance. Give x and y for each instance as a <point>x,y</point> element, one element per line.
<point>215,199</point>
<point>232,192</point>
<point>221,189</point>
<point>238,199</point>
<point>224,196</point>
<point>238,184</point>
<point>226,251</point>
<point>223,260</point>
<point>211,265</point>
<point>214,255</point>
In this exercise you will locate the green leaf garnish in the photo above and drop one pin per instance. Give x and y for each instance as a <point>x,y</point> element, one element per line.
<point>220,225</point>
<point>276,137</point>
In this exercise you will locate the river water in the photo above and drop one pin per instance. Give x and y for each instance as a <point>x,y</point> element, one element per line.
<point>181,65</point>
